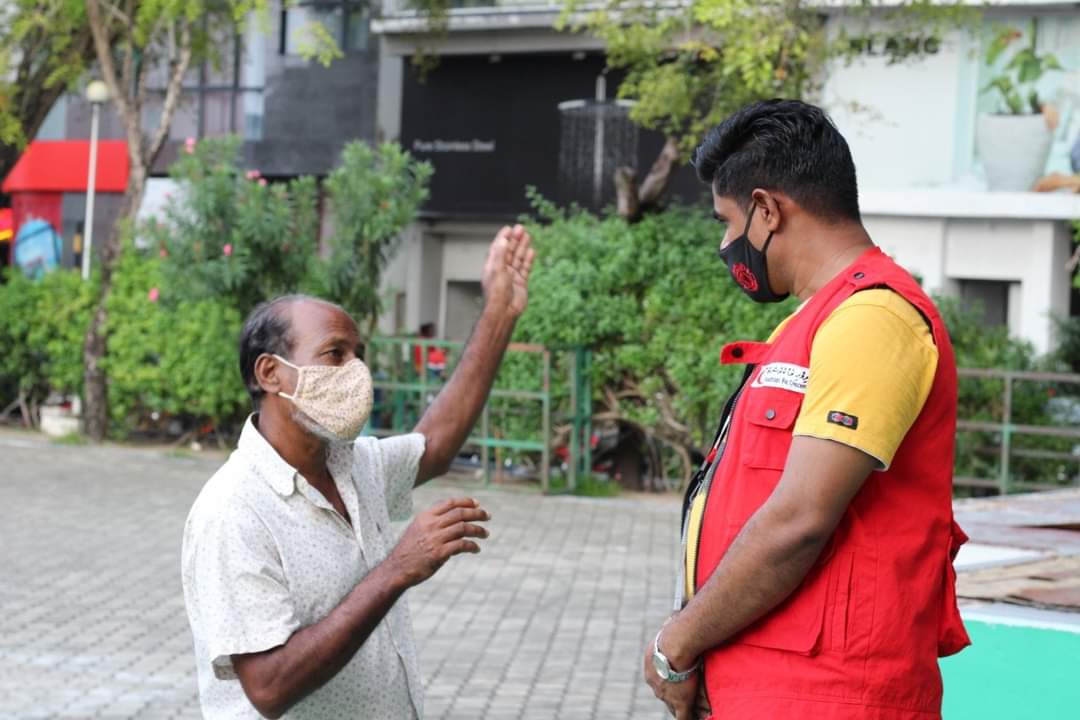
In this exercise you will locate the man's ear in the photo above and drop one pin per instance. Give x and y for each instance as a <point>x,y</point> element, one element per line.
<point>270,374</point>
<point>768,209</point>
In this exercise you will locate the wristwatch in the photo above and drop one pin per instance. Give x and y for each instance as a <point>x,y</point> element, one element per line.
<point>663,667</point>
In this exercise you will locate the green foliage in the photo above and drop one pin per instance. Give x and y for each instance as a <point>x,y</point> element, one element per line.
<point>978,454</point>
<point>316,42</point>
<point>654,303</point>
<point>1067,354</point>
<point>232,236</point>
<point>691,65</point>
<point>71,439</point>
<point>21,364</point>
<point>374,194</point>
<point>1017,81</point>
<point>172,359</point>
<point>979,346</point>
<point>42,324</point>
<point>176,361</point>
<point>1076,242</point>
<point>63,314</point>
<point>44,49</point>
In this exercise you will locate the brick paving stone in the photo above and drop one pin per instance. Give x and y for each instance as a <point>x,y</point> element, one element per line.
<point>548,622</point>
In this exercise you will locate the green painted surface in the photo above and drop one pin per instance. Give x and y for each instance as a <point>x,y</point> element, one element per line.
<point>1013,673</point>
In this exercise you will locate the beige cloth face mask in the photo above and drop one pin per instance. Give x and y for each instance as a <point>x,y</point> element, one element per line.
<point>337,397</point>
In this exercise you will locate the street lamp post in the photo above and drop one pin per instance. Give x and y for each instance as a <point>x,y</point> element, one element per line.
<point>97,93</point>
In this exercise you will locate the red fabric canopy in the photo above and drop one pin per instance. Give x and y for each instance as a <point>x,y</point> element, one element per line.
<point>61,166</point>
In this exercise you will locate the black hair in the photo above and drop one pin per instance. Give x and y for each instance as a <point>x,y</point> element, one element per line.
<point>784,145</point>
<point>266,330</point>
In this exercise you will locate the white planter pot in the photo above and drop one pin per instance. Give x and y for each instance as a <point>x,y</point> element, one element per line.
<point>58,422</point>
<point>1013,149</point>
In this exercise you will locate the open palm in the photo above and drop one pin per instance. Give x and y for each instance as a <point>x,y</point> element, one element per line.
<point>506,272</point>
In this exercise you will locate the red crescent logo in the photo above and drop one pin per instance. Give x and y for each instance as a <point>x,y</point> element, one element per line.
<point>744,277</point>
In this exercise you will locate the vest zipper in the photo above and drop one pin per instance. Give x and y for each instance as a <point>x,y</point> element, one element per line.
<point>725,432</point>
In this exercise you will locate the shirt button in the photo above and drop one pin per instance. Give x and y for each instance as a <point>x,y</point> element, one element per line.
<point>860,275</point>
<point>770,414</point>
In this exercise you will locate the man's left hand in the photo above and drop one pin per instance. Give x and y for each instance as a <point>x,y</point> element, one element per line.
<point>506,272</point>
<point>681,698</point>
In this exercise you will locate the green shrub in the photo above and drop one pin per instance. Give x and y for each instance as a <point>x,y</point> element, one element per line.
<point>230,235</point>
<point>978,454</point>
<point>172,359</point>
<point>654,304</point>
<point>42,325</point>
<point>374,194</point>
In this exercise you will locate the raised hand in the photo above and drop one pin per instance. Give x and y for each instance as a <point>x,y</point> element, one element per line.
<point>506,272</point>
<point>435,536</point>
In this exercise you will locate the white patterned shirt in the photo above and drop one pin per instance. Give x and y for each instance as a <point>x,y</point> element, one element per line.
<point>265,555</point>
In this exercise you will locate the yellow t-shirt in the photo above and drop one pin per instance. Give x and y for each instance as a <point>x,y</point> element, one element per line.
<point>872,364</point>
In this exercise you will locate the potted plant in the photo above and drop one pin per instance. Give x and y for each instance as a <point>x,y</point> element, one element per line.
<point>1014,142</point>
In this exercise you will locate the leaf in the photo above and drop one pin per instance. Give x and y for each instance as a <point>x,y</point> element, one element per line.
<point>1050,62</point>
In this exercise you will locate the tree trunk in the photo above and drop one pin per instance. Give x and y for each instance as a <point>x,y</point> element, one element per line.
<point>128,90</point>
<point>633,200</point>
<point>95,387</point>
<point>95,346</point>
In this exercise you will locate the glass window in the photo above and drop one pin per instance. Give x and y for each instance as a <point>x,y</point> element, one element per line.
<point>253,114</point>
<point>356,31</point>
<point>990,298</point>
<point>345,20</point>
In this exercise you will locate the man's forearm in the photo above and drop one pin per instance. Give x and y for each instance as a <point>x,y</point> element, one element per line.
<point>448,421</point>
<point>277,679</point>
<point>765,564</point>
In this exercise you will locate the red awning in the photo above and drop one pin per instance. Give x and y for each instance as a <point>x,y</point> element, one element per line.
<point>61,166</point>
<point>7,224</point>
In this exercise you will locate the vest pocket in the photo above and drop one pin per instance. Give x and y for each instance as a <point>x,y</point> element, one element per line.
<point>770,416</point>
<point>796,625</point>
<point>952,636</point>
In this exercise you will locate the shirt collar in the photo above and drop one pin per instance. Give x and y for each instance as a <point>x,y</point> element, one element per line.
<point>280,475</point>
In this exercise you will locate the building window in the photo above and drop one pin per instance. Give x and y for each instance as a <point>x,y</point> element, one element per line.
<point>345,20</point>
<point>223,97</point>
<point>990,298</point>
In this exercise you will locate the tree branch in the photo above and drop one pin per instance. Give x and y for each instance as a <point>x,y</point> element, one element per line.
<point>172,93</point>
<point>627,204</point>
<point>656,182</point>
<point>127,73</point>
<point>116,12</point>
<point>99,28</point>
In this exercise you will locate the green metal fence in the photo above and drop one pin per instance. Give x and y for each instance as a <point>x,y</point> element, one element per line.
<point>523,409</point>
<point>1015,443</point>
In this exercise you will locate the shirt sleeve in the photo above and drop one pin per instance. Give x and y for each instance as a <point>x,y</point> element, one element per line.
<point>399,461</point>
<point>872,365</point>
<point>243,599</point>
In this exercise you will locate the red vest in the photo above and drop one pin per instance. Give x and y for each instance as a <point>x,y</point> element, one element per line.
<point>861,635</point>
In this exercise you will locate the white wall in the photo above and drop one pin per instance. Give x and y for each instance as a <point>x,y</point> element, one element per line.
<point>904,121</point>
<point>1031,253</point>
<point>430,256</point>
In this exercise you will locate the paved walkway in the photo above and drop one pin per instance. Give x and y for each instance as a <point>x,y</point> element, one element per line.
<point>549,621</point>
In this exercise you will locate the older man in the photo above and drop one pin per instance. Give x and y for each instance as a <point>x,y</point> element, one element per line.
<point>292,579</point>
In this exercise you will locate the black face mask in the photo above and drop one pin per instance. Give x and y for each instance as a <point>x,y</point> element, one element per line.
<point>749,267</point>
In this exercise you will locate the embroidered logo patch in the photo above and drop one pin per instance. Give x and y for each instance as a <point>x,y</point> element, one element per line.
<point>843,419</point>
<point>744,277</point>
<point>785,376</point>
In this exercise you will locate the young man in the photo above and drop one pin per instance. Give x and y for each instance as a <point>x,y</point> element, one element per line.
<point>819,536</point>
<point>291,577</point>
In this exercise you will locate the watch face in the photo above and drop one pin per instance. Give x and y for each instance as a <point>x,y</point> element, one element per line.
<point>661,666</point>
